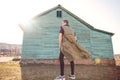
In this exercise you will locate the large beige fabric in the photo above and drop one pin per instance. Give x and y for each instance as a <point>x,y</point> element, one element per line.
<point>70,48</point>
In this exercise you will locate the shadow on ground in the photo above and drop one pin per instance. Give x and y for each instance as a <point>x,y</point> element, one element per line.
<point>83,72</point>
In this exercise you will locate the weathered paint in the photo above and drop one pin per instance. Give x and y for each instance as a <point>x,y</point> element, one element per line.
<point>40,39</point>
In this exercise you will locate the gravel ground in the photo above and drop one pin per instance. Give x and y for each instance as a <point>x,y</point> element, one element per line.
<point>13,71</point>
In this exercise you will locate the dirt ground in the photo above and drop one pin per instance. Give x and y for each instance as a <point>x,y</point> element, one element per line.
<point>14,71</point>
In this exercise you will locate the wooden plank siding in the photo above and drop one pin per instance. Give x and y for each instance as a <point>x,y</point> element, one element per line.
<point>101,45</point>
<point>40,39</point>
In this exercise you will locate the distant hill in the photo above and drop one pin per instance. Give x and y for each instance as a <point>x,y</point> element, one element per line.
<point>10,49</point>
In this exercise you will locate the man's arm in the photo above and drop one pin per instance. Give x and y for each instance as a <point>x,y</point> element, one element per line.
<point>60,39</point>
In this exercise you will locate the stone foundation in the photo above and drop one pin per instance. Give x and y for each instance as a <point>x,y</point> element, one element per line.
<point>56,61</point>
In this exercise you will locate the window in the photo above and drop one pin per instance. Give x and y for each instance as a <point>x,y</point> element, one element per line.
<point>59,14</point>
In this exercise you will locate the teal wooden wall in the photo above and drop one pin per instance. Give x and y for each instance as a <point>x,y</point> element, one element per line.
<point>40,39</point>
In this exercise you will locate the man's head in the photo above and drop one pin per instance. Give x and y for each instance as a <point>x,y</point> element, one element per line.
<point>65,23</point>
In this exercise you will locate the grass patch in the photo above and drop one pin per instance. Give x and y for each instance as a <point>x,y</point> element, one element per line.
<point>10,71</point>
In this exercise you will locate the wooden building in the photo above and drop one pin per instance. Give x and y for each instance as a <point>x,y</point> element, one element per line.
<point>40,39</point>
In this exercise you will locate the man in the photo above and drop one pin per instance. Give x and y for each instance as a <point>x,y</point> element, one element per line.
<point>69,48</point>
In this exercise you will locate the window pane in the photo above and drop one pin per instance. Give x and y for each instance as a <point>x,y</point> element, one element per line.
<point>59,13</point>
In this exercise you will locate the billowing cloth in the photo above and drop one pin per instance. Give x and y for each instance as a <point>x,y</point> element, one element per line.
<point>70,48</point>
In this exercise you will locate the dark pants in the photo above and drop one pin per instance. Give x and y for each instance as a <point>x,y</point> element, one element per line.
<point>61,58</point>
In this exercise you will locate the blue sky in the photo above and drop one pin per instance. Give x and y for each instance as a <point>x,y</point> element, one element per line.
<point>102,14</point>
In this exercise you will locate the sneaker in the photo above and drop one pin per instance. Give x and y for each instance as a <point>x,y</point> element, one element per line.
<point>60,77</point>
<point>72,76</point>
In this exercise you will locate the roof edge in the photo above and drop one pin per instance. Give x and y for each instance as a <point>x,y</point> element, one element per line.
<point>110,33</point>
<point>76,17</point>
<point>87,24</point>
<point>21,26</point>
<point>45,12</point>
